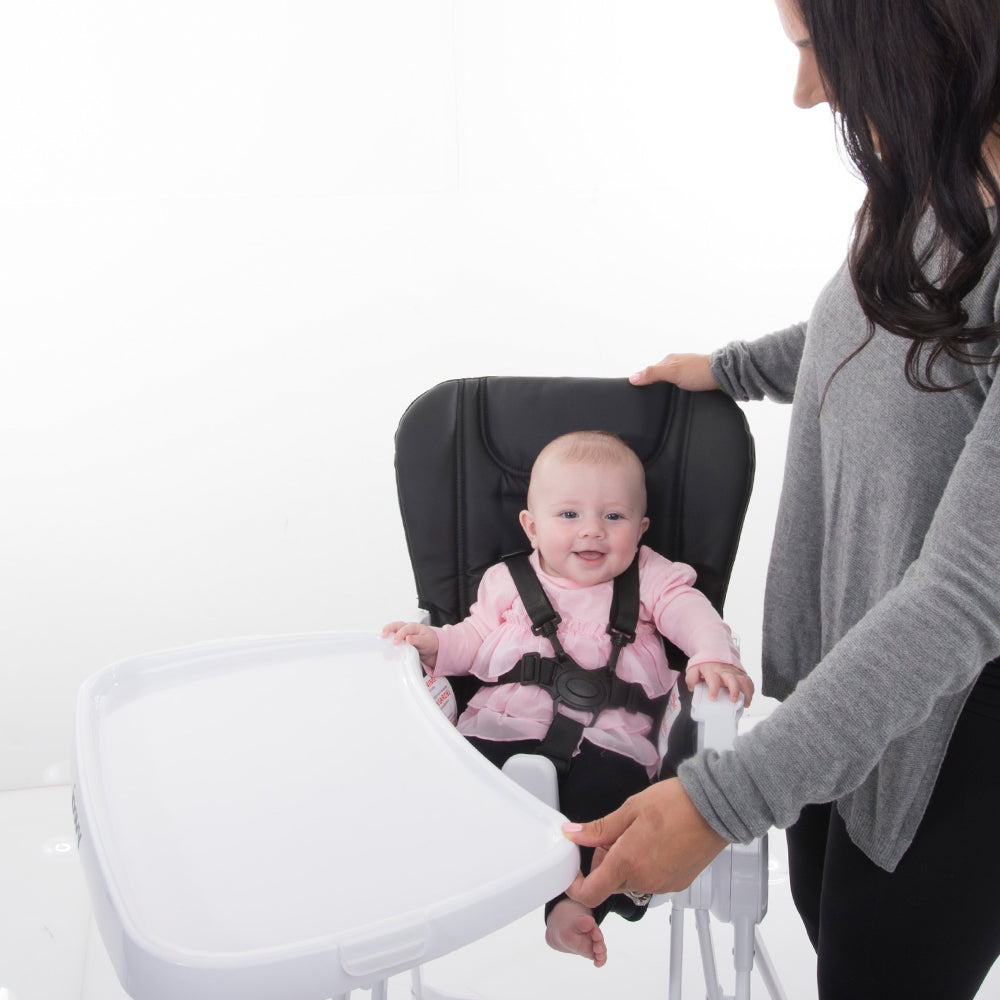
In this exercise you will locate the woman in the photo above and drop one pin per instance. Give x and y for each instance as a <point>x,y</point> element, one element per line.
<point>882,604</point>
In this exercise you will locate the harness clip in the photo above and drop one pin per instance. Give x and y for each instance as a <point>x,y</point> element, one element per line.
<point>584,690</point>
<point>531,668</point>
<point>620,638</point>
<point>548,627</point>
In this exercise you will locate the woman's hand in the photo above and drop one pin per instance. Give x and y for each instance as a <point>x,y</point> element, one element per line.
<point>687,371</point>
<point>656,842</point>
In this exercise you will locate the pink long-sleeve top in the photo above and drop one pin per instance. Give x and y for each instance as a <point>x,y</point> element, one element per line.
<point>497,633</point>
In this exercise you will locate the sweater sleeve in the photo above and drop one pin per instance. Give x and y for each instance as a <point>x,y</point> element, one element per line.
<point>916,652</point>
<point>767,367</point>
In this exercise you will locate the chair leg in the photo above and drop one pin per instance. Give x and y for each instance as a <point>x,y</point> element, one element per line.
<point>713,990</point>
<point>743,953</point>
<point>748,949</point>
<point>676,952</point>
<point>766,969</point>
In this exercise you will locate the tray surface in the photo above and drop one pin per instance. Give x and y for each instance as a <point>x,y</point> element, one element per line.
<point>250,802</point>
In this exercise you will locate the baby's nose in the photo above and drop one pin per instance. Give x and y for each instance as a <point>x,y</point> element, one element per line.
<point>591,525</point>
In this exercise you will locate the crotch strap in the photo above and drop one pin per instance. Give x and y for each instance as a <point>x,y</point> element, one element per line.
<point>565,680</point>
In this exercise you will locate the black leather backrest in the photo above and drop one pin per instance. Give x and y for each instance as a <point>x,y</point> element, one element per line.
<point>465,448</point>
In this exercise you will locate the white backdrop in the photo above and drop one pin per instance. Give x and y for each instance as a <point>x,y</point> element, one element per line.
<point>237,237</point>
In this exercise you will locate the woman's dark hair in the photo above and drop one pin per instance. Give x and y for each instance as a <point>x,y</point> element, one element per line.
<point>915,85</point>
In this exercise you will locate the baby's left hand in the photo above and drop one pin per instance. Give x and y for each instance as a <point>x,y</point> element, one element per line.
<point>718,676</point>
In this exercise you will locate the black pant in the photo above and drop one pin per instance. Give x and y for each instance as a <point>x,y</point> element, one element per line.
<point>931,928</point>
<point>598,782</point>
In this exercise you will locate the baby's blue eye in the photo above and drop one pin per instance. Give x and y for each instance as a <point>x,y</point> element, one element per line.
<point>568,514</point>
<point>613,517</point>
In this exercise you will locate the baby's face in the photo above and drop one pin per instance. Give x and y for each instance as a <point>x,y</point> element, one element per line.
<point>585,519</point>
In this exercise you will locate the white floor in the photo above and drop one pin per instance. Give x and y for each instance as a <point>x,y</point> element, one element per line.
<point>50,950</point>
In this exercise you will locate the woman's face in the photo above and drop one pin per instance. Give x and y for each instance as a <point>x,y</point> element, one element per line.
<point>809,90</point>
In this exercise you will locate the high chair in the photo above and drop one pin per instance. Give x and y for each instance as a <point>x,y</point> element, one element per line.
<point>473,441</point>
<point>246,832</point>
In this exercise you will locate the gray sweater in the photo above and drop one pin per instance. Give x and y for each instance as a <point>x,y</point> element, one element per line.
<point>883,592</point>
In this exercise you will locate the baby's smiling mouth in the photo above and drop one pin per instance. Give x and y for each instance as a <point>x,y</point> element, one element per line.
<point>589,555</point>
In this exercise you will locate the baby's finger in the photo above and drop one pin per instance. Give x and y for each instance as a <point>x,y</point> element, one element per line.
<point>406,632</point>
<point>713,683</point>
<point>692,676</point>
<point>736,683</point>
<point>746,686</point>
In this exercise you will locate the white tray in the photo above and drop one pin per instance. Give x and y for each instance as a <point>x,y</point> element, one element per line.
<point>289,818</point>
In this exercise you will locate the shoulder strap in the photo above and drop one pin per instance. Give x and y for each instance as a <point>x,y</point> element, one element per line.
<point>544,618</point>
<point>625,603</point>
<point>622,620</point>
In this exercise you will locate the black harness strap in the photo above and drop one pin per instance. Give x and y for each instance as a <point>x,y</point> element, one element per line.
<point>544,618</point>
<point>561,741</point>
<point>566,681</point>
<point>624,614</point>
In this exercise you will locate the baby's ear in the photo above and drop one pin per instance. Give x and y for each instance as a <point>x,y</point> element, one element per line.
<point>528,524</point>
<point>643,525</point>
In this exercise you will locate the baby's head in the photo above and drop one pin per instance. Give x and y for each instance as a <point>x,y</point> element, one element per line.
<point>586,506</point>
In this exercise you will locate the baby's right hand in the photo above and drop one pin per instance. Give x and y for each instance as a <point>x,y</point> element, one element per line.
<point>687,371</point>
<point>421,637</point>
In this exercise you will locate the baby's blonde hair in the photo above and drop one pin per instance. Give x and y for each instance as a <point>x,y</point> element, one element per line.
<point>596,448</point>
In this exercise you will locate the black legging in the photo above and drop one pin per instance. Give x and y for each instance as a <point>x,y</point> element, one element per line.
<point>931,929</point>
<point>598,782</point>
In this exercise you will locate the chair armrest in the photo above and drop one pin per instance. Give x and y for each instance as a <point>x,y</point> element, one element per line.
<point>716,721</point>
<point>734,885</point>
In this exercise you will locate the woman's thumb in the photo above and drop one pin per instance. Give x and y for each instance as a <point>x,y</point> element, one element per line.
<point>647,376</point>
<point>598,833</point>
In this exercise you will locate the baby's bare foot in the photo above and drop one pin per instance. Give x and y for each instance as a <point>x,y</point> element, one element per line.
<point>571,927</point>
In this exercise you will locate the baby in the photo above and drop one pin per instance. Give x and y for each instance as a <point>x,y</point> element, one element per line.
<point>585,516</point>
